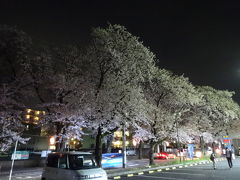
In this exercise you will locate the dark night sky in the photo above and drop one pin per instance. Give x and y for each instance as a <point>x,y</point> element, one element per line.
<point>200,39</point>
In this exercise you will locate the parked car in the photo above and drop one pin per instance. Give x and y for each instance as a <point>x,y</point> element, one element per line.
<point>164,155</point>
<point>72,165</point>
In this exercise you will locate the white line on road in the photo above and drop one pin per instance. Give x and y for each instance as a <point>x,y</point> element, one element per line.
<point>157,177</point>
<point>210,166</point>
<point>27,177</point>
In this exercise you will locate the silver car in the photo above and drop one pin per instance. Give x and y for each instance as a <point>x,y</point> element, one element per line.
<point>72,166</point>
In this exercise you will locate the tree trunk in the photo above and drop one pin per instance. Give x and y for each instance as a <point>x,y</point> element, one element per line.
<point>109,143</point>
<point>59,141</point>
<point>213,147</point>
<point>151,152</point>
<point>202,145</point>
<point>98,148</point>
<point>140,150</point>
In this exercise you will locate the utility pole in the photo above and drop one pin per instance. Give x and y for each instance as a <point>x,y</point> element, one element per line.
<point>124,146</point>
<point>178,147</point>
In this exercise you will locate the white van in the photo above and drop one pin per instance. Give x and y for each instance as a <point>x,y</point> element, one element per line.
<point>72,166</point>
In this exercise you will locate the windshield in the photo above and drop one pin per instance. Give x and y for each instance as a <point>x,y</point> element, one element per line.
<point>81,161</point>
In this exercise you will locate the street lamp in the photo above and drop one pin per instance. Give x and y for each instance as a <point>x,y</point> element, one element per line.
<point>178,147</point>
<point>124,143</point>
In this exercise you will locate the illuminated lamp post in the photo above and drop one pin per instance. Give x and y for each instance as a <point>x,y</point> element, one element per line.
<point>124,146</point>
<point>178,147</point>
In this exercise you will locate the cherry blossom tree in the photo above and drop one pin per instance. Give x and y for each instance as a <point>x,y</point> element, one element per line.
<point>57,81</point>
<point>14,45</point>
<point>221,110</point>
<point>119,64</point>
<point>172,97</point>
<point>10,117</point>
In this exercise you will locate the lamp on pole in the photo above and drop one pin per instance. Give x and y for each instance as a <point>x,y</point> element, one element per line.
<point>124,146</point>
<point>178,147</point>
<point>124,143</point>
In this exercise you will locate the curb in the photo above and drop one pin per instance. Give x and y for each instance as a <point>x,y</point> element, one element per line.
<point>150,170</point>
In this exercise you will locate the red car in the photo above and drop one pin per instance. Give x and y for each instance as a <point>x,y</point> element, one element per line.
<point>164,155</point>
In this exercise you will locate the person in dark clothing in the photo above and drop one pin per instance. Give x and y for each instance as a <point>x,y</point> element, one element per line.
<point>212,158</point>
<point>229,157</point>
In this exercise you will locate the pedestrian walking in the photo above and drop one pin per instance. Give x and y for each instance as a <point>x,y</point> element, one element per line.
<point>212,158</point>
<point>229,157</point>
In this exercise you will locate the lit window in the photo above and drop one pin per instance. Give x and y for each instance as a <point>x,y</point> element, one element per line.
<point>29,110</point>
<point>117,144</point>
<point>36,118</point>
<point>37,112</point>
<point>118,134</point>
<point>28,116</point>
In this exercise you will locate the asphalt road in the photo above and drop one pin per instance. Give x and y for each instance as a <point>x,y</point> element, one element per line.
<point>30,174</point>
<point>35,173</point>
<point>198,172</point>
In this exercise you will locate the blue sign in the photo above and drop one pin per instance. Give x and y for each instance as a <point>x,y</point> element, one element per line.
<point>190,150</point>
<point>111,160</point>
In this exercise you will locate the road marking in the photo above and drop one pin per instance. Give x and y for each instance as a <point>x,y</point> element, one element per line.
<point>25,177</point>
<point>27,174</point>
<point>183,173</point>
<point>117,177</point>
<point>158,177</point>
<point>167,169</point>
<point>129,175</point>
<point>150,172</point>
<point>140,173</point>
<point>159,170</point>
<point>173,167</point>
